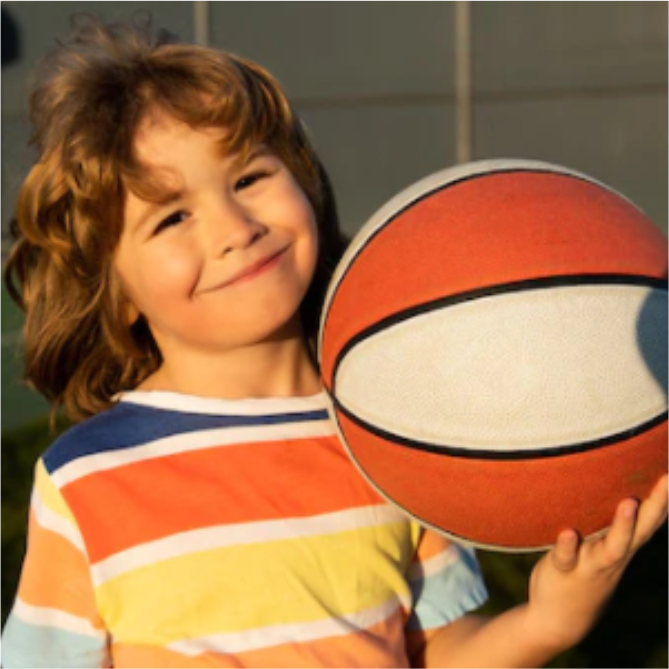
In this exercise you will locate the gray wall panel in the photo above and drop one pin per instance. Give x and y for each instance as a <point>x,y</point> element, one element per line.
<point>334,49</point>
<point>536,46</point>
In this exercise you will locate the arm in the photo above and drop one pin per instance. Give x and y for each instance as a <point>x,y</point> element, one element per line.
<point>569,587</point>
<point>54,621</point>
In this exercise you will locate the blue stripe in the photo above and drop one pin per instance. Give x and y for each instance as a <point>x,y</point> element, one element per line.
<point>26,645</point>
<point>447,595</point>
<point>127,425</point>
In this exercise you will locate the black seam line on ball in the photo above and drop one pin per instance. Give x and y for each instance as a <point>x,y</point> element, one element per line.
<point>464,179</point>
<point>484,454</point>
<point>543,283</point>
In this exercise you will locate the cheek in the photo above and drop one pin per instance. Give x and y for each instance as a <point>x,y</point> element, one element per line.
<point>158,279</point>
<point>308,233</point>
<point>175,270</point>
<point>308,251</point>
<point>314,248</point>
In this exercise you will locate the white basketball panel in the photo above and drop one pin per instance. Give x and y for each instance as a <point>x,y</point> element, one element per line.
<point>539,368</point>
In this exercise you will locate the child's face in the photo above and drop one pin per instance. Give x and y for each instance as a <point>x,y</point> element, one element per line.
<point>226,263</point>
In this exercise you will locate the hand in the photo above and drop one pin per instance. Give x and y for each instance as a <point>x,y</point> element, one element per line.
<point>571,584</point>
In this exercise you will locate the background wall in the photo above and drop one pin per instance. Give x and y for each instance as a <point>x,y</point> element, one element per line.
<point>388,97</point>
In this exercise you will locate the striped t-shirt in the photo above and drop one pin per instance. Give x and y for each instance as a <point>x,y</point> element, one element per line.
<point>176,531</point>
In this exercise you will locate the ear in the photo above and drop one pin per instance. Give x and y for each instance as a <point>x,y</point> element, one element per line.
<point>125,308</point>
<point>131,312</point>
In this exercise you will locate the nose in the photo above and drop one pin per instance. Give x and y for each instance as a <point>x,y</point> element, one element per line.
<point>231,226</point>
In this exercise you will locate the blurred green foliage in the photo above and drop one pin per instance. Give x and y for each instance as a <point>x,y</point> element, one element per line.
<point>632,632</point>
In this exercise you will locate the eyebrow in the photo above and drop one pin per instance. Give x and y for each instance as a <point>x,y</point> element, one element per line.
<point>258,151</point>
<point>148,208</point>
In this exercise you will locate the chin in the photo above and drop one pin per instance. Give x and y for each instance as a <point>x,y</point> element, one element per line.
<point>263,330</point>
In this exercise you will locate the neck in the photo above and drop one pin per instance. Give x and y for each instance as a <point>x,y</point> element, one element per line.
<point>281,367</point>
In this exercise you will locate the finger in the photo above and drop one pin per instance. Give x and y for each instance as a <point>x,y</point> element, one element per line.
<point>616,546</point>
<point>565,552</point>
<point>652,513</point>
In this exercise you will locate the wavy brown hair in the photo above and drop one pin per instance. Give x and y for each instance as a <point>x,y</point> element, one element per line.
<point>90,96</point>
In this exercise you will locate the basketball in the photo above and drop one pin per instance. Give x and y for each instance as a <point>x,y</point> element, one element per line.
<point>494,347</point>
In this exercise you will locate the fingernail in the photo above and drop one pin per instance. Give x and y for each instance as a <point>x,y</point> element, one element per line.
<point>629,509</point>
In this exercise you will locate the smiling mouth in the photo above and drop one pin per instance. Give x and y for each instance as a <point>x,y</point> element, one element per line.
<point>251,272</point>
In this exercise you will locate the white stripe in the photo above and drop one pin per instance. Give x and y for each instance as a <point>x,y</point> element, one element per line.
<point>436,563</point>
<point>275,635</point>
<point>240,534</point>
<point>190,441</point>
<point>36,615</point>
<point>255,406</point>
<point>54,522</point>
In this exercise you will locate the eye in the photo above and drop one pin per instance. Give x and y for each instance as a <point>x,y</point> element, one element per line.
<point>172,220</point>
<point>249,179</point>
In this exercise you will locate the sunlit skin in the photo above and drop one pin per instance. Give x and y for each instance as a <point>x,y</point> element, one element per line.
<point>220,270</point>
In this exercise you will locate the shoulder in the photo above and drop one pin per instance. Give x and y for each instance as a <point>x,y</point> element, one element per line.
<point>122,425</point>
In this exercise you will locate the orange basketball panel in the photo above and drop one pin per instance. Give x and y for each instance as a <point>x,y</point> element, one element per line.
<point>511,504</point>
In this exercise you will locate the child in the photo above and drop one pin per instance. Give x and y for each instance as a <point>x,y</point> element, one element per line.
<point>175,240</point>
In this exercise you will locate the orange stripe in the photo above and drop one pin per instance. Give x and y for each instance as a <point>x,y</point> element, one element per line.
<point>148,500</point>
<point>72,591</point>
<point>382,646</point>
<point>490,230</point>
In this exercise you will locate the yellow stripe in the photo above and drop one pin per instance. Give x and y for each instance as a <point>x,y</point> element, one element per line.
<point>256,585</point>
<point>50,494</point>
<point>416,533</point>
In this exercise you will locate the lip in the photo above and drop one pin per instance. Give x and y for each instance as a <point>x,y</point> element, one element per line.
<point>252,271</point>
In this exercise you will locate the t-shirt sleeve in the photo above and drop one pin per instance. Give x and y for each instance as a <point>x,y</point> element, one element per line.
<point>445,581</point>
<point>54,621</point>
